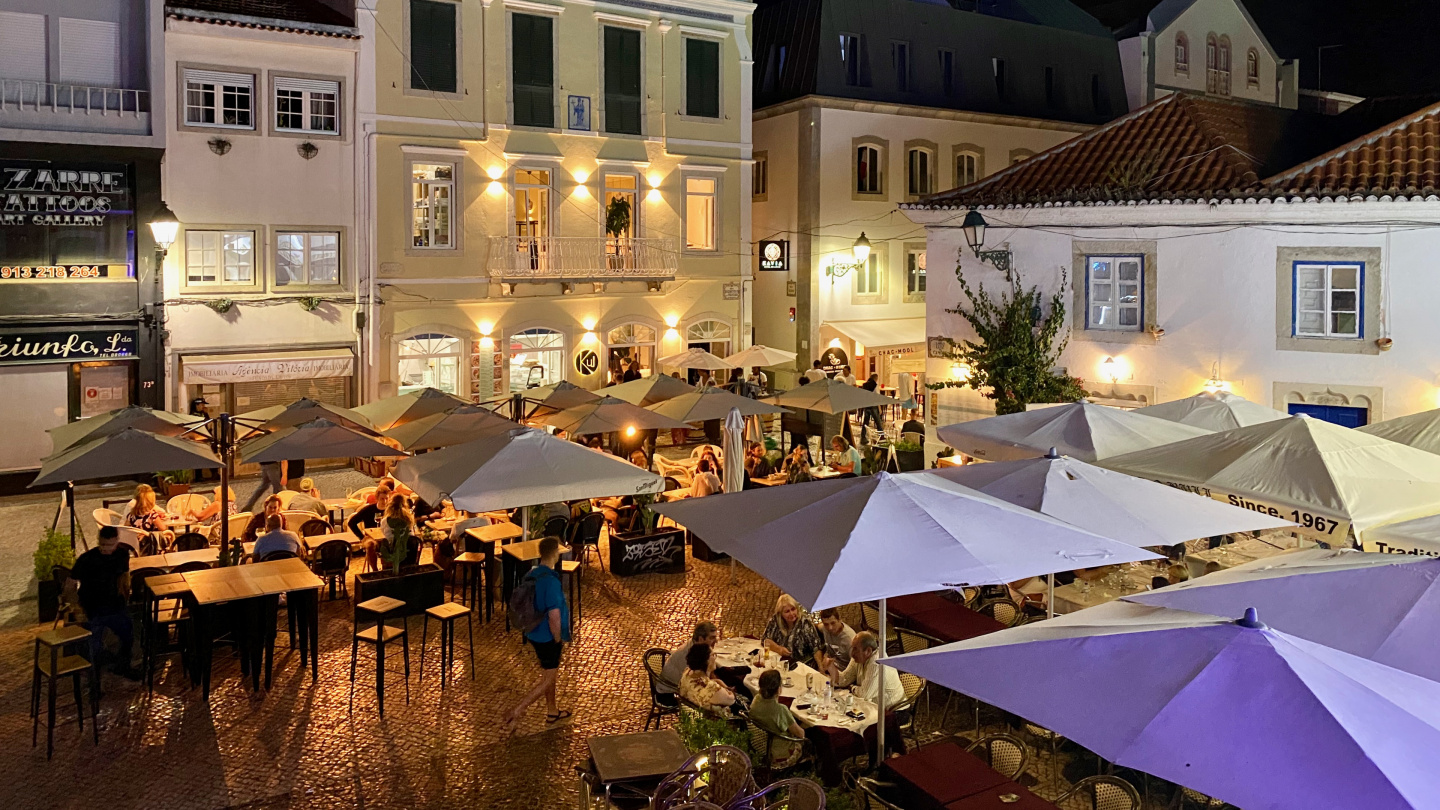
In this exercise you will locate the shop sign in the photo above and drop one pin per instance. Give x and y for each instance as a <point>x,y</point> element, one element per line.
<point>895,350</point>
<point>64,272</point>
<point>67,345</point>
<point>587,362</point>
<point>219,369</point>
<point>731,290</point>
<point>834,360</point>
<point>1307,521</point>
<point>41,193</point>
<point>775,254</point>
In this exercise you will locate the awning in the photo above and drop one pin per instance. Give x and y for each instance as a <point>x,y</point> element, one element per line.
<point>882,332</point>
<point>298,365</point>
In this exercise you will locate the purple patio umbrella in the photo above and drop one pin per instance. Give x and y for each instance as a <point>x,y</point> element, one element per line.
<point>1242,712</point>
<point>1385,607</point>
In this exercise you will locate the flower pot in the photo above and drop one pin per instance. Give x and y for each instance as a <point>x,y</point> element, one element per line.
<point>171,490</point>
<point>419,587</point>
<point>661,552</point>
<point>49,600</point>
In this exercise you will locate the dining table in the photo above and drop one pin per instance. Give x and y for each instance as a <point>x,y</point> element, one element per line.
<point>637,760</point>
<point>944,776</point>
<point>1241,552</point>
<point>802,689</point>
<point>1125,580</point>
<point>518,559</point>
<point>776,479</point>
<point>175,559</point>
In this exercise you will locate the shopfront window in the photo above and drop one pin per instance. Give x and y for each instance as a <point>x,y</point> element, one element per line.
<point>632,343</point>
<point>537,357</point>
<point>430,360</point>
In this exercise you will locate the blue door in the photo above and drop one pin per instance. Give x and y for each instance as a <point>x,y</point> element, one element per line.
<point>1341,415</point>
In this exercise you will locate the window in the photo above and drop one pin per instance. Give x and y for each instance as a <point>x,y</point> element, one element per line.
<point>998,65</point>
<point>702,78</point>
<point>532,203</point>
<point>537,357</point>
<point>220,257</point>
<point>918,180</point>
<point>760,176</point>
<point>1328,300</point>
<point>850,58</point>
<point>900,57</point>
<point>1182,53</point>
<point>214,99</point>
<point>532,78</point>
<point>307,259</point>
<point>434,44</point>
<point>712,336</point>
<point>1052,97</point>
<point>780,64</point>
<point>967,168</point>
<point>1217,65</point>
<point>1252,68</point>
<point>22,46</point>
<point>700,212</point>
<point>947,72</point>
<point>307,105</point>
<point>622,80</point>
<point>1017,155</point>
<point>867,170</point>
<point>430,361</point>
<point>432,190</point>
<point>620,191</point>
<point>1114,295</point>
<point>633,342</point>
<point>1223,86</point>
<point>915,272</point>
<point>867,276</point>
<point>89,52</point>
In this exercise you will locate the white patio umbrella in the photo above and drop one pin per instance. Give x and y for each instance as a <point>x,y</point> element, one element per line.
<point>1080,430</point>
<point>395,411</point>
<point>1418,430</point>
<point>734,450</point>
<point>317,438</point>
<point>161,423</point>
<point>1217,410</point>
<point>127,452</point>
<point>609,415</point>
<point>463,424</point>
<point>712,403</point>
<point>1325,478</point>
<point>829,396</point>
<point>760,355</point>
<point>1419,537</point>
<point>647,391</point>
<point>695,358</point>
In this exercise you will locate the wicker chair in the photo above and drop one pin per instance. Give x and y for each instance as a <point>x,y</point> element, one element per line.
<point>1003,610</point>
<point>1005,753</point>
<point>1185,798</point>
<point>1039,735</point>
<point>654,661</point>
<point>786,794</point>
<point>913,685</point>
<point>720,775</point>
<point>762,741</point>
<point>1100,793</point>
<point>870,617</point>
<point>878,795</point>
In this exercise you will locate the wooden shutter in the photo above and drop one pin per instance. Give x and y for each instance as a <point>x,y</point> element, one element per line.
<point>89,52</point>
<point>533,70</point>
<point>702,78</point>
<point>622,80</point>
<point>432,46</point>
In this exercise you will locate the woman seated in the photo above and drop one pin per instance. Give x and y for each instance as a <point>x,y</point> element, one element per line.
<point>399,527</point>
<point>149,518</point>
<point>256,527</point>
<point>756,463</point>
<point>209,513</point>
<point>789,635</point>
<point>848,458</point>
<point>699,685</point>
<point>705,482</point>
<point>797,466</point>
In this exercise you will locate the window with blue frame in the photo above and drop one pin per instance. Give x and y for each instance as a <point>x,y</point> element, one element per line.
<point>1342,415</point>
<point>1115,293</point>
<point>1329,300</point>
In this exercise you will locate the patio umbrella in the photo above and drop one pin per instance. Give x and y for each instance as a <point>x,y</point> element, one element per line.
<point>127,452</point>
<point>1242,712</point>
<point>1325,478</point>
<point>1420,536</point>
<point>759,355</point>
<point>733,448</point>
<point>830,396</point>
<point>712,403</point>
<point>304,410</point>
<point>648,390</point>
<point>457,425</point>
<point>317,438</point>
<point>1218,410</point>
<point>1080,430</point>
<point>1418,430</point>
<point>695,358</point>
<point>609,415</point>
<point>395,411</point>
<point>1376,606</point>
<point>163,423</point>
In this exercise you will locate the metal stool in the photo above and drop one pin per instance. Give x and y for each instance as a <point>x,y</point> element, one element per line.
<point>51,667</point>
<point>471,571</point>
<point>379,634</point>
<point>167,622</point>
<point>447,613</point>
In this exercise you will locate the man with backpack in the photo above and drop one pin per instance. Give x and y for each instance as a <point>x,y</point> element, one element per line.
<point>538,608</point>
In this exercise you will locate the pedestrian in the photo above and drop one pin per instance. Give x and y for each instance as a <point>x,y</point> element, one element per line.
<point>547,637</point>
<point>846,376</point>
<point>867,415</point>
<point>815,374</point>
<point>97,574</point>
<point>272,477</point>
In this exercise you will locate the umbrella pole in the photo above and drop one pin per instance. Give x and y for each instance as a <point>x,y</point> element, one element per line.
<point>525,521</point>
<point>70,501</point>
<point>880,698</point>
<point>1050,600</point>
<point>223,515</point>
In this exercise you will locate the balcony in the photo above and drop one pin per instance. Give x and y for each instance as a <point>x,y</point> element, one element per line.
<point>581,258</point>
<point>26,104</point>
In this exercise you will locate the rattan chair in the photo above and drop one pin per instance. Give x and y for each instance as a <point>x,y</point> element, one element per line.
<point>762,742</point>
<point>1041,736</point>
<point>1002,610</point>
<point>723,775</point>
<point>191,541</point>
<point>913,685</point>
<point>654,661</point>
<point>1100,793</point>
<point>878,795</point>
<point>1005,753</point>
<point>1185,799</point>
<point>786,794</point>
<point>870,617</point>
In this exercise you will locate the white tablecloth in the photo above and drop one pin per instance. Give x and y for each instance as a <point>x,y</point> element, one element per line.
<point>1244,551</point>
<point>1075,596</point>
<point>805,679</point>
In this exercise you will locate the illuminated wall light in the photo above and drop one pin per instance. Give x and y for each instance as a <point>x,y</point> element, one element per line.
<point>672,334</point>
<point>672,321</point>
<point>495,188</point>
<point>487,343</point>
<point>495,172</point>
<point>581,190</point>
<point>589,324</point>
<point>654,180</point>
<point>1114,369</point>
<point>959,372</point>
<point>859,349</point>
<point>590,338</point>
<point>653,195</point>
<point>487,328</point>
<point>581,175</point>
<point>834,343</point>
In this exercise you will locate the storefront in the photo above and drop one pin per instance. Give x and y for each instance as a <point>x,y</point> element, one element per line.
<point>248,381</point>
<point>893,349</point>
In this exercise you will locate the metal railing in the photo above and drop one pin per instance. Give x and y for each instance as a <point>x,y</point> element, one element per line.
<point>24,95</point>
<point>581,257</point>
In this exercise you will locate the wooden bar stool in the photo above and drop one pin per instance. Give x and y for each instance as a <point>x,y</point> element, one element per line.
<point>471,571</point>
<point>51,664</point>
<point>381,635</point>
<point>167,622</point>
<point>447,614</point>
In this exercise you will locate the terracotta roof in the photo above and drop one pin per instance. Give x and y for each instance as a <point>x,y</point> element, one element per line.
<point>1399,160</point>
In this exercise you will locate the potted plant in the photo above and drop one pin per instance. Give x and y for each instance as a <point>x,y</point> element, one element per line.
<point>175,482</point>
<point>647,549</point>
<point>617,225</point>
<point>54,549</point>
<point>418,586</point>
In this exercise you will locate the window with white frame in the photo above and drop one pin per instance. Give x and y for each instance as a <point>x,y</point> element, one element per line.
<point>1252,68</point>
<point>867,170</point>
<point>1328,300</point>
<point>915,272</point>
<point>219,257</point>
<point>760,175</point>
<point>217,99</point>
<point>620,195</point>
<point>918,179</point>
<point>432,191</point>
<point>701,198</point>
<point>305,259</point>
<point>867,276</point>
<point>431,360</point>
<point>1115,295</point>
<point>967,168</point>
<point>1182,53</point>
<point>307,105</point>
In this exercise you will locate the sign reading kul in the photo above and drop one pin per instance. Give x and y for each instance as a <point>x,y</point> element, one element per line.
<point>64,346</point>
<point>42,195</point>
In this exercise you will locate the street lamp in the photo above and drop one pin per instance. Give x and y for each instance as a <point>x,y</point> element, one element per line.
<point>164,227</point>
<point>860,251</point>
<point>974,227</point>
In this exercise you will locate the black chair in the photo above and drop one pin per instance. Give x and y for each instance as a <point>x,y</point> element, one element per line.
<point>585,535</point>
<point>191,541</point>
<point>193,565</point>
<point>334,565</point>
<point>315,528</point>
<point>280,554</point>
<point>672,483</point>
<point>557,527</point>
<point>372,628</point>
<point>138,576</point>
<point>660,705</point>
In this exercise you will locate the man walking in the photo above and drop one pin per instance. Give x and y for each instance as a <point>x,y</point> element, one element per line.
<point>548,636</point>
<point>272,477</point>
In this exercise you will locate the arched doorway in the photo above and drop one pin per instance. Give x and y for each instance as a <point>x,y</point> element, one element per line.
<point>537,357</point>
<point>430,360</point>
<point>633,342</point>
<point>711,335</point>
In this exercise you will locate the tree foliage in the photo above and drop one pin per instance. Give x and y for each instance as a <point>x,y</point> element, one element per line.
<point>1017,346</point>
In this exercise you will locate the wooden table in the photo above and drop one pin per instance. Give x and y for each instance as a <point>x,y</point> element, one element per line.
<point>643,757</point>
<point>314,542</point>
<point>337,506</point>
<point>933,777</point>
<point>174,559</point>
<point>483,540</point>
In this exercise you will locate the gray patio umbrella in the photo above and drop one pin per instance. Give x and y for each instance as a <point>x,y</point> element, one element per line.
<point>830,396</point>
<point>318,438</point>
<point>128,452</point>
<point>304,410</point>
<point>395,411</point>
<point>162,423</point>
<point>456,426</point>
<point>712,403</point>
<point>648,390</point>
<point>609,415</point>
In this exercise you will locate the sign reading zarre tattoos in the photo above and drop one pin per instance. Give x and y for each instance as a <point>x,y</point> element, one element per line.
<point>43,193</point>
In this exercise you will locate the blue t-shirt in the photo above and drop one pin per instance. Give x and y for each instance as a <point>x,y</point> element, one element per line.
<point>549,594</point>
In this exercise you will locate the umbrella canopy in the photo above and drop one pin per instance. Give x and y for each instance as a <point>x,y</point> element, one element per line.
<point>126,452</point>
<point>1376,606</point>
<point>734,449</point>
<point>1080,430</point>
<point>463,424</point>
<point>648,390</point>
<point>1420,536</point>
<point>1418,430</point>
<point>759,355</point>
<point>712,403</point>
<point>1247,714</point>
<point>163,423</point>
<point>398,410</point>
<point>521,467</point>
<point>695,358</point>
<point>1323,477</point>
<point>304,410</point>
<point>561,395</point>
<point>1121,507</point>
<point>1218,410</point>
<point>609,415</point>
<point>317,438</point>
<point>845,540</point>
<point>830,396</point>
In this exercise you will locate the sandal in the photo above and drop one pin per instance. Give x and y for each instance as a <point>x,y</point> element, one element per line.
<point>551,719</point>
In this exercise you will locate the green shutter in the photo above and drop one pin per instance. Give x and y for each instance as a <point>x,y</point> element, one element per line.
<point>702,78</point>
<point>432,46</point>
<point>622,80</point>
<point>532,70</point>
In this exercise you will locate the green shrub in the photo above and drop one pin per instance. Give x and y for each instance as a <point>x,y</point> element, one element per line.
<point>54,549</point>
<point>700,732</point>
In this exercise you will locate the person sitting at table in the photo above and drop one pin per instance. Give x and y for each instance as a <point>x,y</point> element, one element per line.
<point>1177,574</point>
<point>789,635</point>
<point>256,526</point>
<point>837,636</point>
<point>863,673</point>
<point>149,518</point>
<point>307,499</point>
<point>1157,582</point>
<point>797,465</point>
<point>757,465</point>
<point>699,685</point>
<point>772,716</point>
<point>705,482</point>
<point>708,452</point>
<point>848,460</point>
<point>207,515</point>
<point>706,635</point>
<point>98,580</point>
<point>464,522</point>
<point>639,459</point>
<point>398,523</point>
<point>1212,567</point>
<point>276,538</point>
<point>368,516</point>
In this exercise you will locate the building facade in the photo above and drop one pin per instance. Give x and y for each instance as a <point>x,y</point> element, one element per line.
<point>551,189</point>
<point>867,105</point>
<point>261,284</point>
<point>80,150</point>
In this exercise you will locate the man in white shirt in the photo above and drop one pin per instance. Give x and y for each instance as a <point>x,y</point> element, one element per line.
<point>864,673</point>
<point>759,379</point>
<point>815,374</point>
<point>674,669</point>
<point>846,376</point>
<point>470,520</point>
